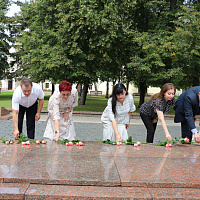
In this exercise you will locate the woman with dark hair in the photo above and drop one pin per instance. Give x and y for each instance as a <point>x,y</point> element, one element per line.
<point>153,109</point>
<point>117,115</point>
<point>59,122</point>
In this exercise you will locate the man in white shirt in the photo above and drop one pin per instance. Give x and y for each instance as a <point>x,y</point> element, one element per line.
<point>25,100</point>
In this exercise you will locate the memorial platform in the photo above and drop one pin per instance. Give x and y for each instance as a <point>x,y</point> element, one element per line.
<point>99,171</point>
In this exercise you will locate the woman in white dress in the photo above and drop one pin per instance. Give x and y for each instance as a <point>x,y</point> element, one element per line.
<point>117,115</point>
<point>59,122</point>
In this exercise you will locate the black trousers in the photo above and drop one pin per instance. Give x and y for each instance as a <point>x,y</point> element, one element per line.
<point>186,131</point>
<point>30,119</point>
<point>151,127</point>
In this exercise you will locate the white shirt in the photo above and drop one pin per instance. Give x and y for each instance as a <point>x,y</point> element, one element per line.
<point>122,116</point>
<point>19,97</point>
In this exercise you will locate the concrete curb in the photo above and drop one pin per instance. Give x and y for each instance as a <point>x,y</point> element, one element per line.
<point>134,115</point>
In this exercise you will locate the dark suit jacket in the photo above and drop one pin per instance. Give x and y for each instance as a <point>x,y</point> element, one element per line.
<point>187,106</point>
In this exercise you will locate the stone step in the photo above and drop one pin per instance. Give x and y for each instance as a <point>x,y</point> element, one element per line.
<point>37,191</point>
<point>6,117</point>
<point>5,114</point>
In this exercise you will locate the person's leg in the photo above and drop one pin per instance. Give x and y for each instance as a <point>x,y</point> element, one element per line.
<point>151,127</point>
<point>155,125</point>
<point>30,120</point>
<point>186,131</point>
<point>21,118</point>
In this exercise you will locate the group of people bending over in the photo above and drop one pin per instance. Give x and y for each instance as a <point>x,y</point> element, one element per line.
<point>116,116</point>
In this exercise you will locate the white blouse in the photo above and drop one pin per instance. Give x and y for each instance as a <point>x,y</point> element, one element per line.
<point>121,116</point>
<point>57,105</point>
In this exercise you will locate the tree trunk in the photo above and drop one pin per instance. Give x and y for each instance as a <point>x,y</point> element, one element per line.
<point>81,89</point>
<point>127,86</point>
<point>114,82</point>
<point>173,4</point>
<point>53,89</point>
<point>143,90</point>
<point>95,87</point>
<point>196,81</point>
<point>84,94</point>
<point>107,90</point>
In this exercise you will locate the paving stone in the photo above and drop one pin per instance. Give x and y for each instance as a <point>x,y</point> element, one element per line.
<point>90,128</point>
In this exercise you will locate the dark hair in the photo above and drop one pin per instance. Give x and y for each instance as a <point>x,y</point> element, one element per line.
<point>26,82</point>
<point>65,86</point>
<point>165,87</point>
<point>118,89</point>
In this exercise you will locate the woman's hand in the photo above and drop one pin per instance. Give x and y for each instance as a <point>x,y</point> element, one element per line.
<point>162,120</point>
<point>16,134</point>
<point>169,137</point>
<point>127,126</point>
<point>118,138</point>
<point>154,121</point>
<point>66,116</point>
<point>57,137</point>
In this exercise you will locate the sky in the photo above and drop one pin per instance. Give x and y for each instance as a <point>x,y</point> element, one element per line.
<point>14,9</point>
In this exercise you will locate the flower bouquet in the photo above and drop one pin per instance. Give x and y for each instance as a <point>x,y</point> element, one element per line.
<point>40,141</point>
<point>26,141</point>
<point>112,142</point>
<point>128,142</point>
<point>23,140</point>
<point>132,142</point>
<point>70,143</point>
<point>177,140</point>
<point>6,141</point>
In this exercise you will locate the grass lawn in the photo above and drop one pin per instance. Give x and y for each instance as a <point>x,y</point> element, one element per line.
<point>93,103</point>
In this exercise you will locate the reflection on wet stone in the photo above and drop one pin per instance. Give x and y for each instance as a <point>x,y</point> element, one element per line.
<point>119,170</point>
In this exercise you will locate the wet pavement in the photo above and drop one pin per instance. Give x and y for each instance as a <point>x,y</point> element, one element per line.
<point>99,171</point>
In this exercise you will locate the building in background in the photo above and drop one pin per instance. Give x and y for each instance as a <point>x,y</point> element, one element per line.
<point>101,87</point>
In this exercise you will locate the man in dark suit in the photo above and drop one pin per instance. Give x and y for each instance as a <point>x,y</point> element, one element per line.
<point>187,111</point>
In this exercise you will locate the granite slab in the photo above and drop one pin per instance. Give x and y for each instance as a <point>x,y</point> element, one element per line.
<point>63,165</point>
<point>85,192</point>
<point>11,155</point>
<point>89,149</point>
<point>174,193</point>
<point>13,190</point>
<point>103,166</point>
<point>150,150</point>
<point>158,172</point>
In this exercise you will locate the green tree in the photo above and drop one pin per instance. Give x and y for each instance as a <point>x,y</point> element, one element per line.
<point>74,40</point>
<point>187,45</point>
<point>151,63</point>
<point>4,37</point>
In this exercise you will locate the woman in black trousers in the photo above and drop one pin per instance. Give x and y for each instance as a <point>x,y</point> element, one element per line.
<point>154,109</point>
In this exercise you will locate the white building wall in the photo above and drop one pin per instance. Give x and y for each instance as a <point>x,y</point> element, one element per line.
<point>101,86</point>
<point>4,84</point>
<point>154,90</point>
